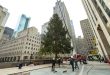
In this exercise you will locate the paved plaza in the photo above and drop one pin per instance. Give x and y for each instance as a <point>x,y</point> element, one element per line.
<point>96,68</point>
<point>92,68</point>
<point>47,71</point>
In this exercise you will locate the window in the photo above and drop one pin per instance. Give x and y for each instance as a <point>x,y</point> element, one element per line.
<point>26,47</point>
<point>0,30</point>
<point>26,42</point>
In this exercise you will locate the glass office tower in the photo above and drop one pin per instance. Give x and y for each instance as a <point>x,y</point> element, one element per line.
<point>23,24</point>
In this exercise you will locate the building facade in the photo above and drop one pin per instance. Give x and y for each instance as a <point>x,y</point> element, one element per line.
<point>73,37</point>
<point>3,18</point>
<point>80,46</point>
<point>23,48</point>
<point>98,12</point>
<point>44,28</point>
<point>23,24</point>
<point>7,34</point>
<point>88,35</point>
<point>62,12</point>
<point>8,31</point>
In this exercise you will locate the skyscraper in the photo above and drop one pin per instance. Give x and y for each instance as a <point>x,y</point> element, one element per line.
<point>3,18</point>
<point>7,35</point>
<point>80,46</point>
<point>88,35</point>
<point>44,28</point>
<point>73,35</point>
<point>8,31</point>
<point>23,24</point>
<point>62,12</point>
<point>98,12</point>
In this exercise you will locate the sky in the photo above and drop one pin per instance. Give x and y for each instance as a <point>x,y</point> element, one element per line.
<point>40,12</point>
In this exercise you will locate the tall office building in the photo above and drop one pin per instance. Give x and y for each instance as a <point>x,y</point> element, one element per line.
<point>62,12</point>
<point>44,28</point>
<point>73,35</point>
<point>88,35</point>
<point>98,12</point>
<point>80,46</point>
<point>3,18</point>
<point>23,24</point>
<point>8,31</point>
<point>7,35</point>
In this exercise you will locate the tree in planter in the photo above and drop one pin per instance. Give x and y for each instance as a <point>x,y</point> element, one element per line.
<point>55,41</point>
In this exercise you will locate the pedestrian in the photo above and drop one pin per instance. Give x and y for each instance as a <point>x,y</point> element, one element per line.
<point>76,63</point>
<point>84,60</point>
<point>53,64</point>
<point>72,63</point>
<point>99,58</point>
<point>80,60</point>
<point>102,59</point>
<point>20,66</point>
<point>59,61</point>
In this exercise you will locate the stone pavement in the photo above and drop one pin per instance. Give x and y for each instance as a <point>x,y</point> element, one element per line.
<point>47,71</point>
<point>95,68</point>
<point>38,70</point>
<point>92,68</point>
<point>7,71</point>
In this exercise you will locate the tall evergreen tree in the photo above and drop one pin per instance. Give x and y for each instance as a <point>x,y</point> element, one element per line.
<point>55,41</point>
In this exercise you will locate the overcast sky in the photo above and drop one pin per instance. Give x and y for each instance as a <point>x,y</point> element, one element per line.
<point>40,12</point>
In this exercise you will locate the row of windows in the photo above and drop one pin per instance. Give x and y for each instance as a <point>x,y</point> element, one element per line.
<point>33,41</point>
<point>32,44</point>
<point>107,10</point>
<point>100,12</point>
<point>12,48</point>
<point>32,48</point>
<point>34,37</point>
<point>11,45</point>
<point>11,53</point>
<point>27,52</point>
<point>92,11</point>
<point>16,46</point>
<point>88,12</point>
<point>16,53</point>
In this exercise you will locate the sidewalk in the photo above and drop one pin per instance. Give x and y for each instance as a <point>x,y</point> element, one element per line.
<point>39,70</point>
<point>8,71</point>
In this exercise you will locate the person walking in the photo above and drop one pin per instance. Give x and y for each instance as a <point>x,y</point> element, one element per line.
<point>72,63</point>
<point>76,63</point>
<point>53,64</point>
<point>59,62</point>
<point>20,66</point>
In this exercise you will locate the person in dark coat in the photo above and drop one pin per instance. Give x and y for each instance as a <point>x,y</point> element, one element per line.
<point>20,66</point>
<point>59,61</point>
<point>76,64</point>
<point>53,64</point>
<point>72,63</point>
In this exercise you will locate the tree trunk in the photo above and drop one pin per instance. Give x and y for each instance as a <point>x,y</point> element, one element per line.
<point>56,56</point>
